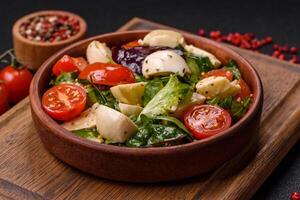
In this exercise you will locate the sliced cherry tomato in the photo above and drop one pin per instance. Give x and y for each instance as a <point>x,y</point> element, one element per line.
<point>17,82</point>
<point>64,102</point>
<point>69,64</point>
<point>220,72</point>
<point>206,120</point>
<point>107,74</point>
<point>4,101</point>
<point>245,90</point>
<point>131,44</point>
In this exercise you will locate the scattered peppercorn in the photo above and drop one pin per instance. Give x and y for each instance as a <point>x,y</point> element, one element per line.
<point>49,28</point>
<point>251,42</point>
<point>294,50</point>
<point>201,32</point>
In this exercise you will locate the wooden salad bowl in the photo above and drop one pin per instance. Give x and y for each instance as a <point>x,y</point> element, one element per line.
<point>153,164</point>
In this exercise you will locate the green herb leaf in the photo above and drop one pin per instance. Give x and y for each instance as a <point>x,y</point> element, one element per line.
<point>232,66</point>
<point>238,109</point>
<point>66,77</point>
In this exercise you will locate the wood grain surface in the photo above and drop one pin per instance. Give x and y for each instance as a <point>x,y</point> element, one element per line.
<point>28,171</point>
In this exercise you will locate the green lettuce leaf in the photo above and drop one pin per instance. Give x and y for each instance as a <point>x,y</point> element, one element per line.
<point>167,98</point>
<point>151,89</point>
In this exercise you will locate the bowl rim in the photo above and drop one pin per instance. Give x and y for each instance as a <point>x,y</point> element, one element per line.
<point>67,135</point>
<point>81,32</point>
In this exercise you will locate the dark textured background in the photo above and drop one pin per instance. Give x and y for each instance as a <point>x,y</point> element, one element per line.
<point>280,19</point>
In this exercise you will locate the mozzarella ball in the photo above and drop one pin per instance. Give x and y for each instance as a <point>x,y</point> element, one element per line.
<point>98,52</point>
<point>165,38</point>
<point>217,86</point>
<point>163,63</point>
<point>114,125</point>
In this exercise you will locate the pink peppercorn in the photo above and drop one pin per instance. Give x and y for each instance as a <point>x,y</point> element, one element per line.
<point>295,196</point>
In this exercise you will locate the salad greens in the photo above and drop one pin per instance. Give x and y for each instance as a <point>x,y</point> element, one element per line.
<point>90,133</point>
<point>232,66</point>
<point>151,89</point>
<point>197,64</point>
<point>237,109</point>
<point>167,99</point>
<point>153,132</point>
<point>65,77</point>
<point>169,106</point>
<point>103,97</point>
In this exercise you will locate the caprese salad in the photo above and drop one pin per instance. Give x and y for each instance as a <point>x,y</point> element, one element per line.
<point>155,91</point>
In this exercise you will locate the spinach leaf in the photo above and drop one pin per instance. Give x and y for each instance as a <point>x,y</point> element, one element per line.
<point>103,97</point>
<point>175,121</point>
<point>162,133</point>
<point>152,132</point>
<point>141,137</point>
<point>154,135</point>
<point>232,66</point>
<point>66,77</point>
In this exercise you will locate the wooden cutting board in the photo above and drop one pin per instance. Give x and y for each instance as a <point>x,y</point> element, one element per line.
<point>28,171</point>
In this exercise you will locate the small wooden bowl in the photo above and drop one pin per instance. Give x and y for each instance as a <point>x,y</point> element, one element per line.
<point>33,53</point>
<point>145,164</point>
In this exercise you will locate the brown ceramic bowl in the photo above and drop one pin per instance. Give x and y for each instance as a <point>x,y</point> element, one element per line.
<point>33,53</point>
<point>145,164</point>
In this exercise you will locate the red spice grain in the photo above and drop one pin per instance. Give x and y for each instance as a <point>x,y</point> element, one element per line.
<point>295,196</point>
<point>249,41</point>
<point>201,32</point>
<point>294,50</point>
<point>281,57</point>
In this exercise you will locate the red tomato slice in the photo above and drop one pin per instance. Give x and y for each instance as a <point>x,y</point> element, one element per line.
<point>69,64</point>
<point>245,90</point>
<point>220,72</point>
<point>107,74</point>
<point>64,102</point>
<point>131,44</point>
<point>206,120</point>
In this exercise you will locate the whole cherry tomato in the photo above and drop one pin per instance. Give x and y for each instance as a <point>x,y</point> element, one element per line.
<point>220,72</point>
<point>245,90</point>
<point>4,101</point>
<point>206,120</point>
<point>69,64</point>
<point>64,102</point>
<point>107,74</point>
<point>17,81</point>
